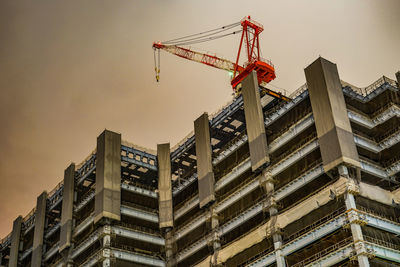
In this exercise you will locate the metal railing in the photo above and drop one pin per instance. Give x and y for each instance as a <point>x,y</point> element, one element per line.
<point>190,220</point>
<point>237,188</point>
<point>220,174</point>
<point>187,200</point>
<point>248,206</point>
<point>155,255</point>
<point>127,180</point>
<point>193,242</point>
<point>257,256</point>
<point>378,214</point>
<point>371,88</point>
<point>293,95</point>
<point>52,193</point>
<point>86,165</point>
<point>382,243</point>
<point>285,129</point>
<point>282,157</point>
<point>139,207</point>
<point>342,243</point>
<point>138,228</point>
<point>298,91</point>
<point>230,143</point>
<point>316,223</point>
<point>6,239</point>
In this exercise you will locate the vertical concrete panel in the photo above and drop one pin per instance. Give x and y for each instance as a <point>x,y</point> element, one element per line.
<point>40,219</point>
<point>67,208</point>
<point>15,242</point>
<point>108,177</point>
<point>255,126</point>
<point>164,186</point>
<point>330,114</point>
<point>204,165</point>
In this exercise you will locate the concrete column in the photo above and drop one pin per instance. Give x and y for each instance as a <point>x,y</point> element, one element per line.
<point>67,208</point>
<point>280,259</point>
<point>205,172</point>
<point>267,182</point>
<point>166,217</point>
<point>214,229</point>
<point>108,177</point>
<point>398,78</point>
<point>169,247</point>
<point>255,126</point>
<point>330,114</point>
<point>40,219</point>
<point>65,246</point>
<point>215,238</point>
<point>353,218</point>
<point>15,242</point>
<point>106,246</point>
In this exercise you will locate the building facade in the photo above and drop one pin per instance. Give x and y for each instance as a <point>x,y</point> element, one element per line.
<point>312,181</point>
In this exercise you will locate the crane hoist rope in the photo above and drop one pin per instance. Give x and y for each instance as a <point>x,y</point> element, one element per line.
<point>250,30</point>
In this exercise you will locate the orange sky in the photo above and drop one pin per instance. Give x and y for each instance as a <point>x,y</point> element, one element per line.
<point>69,69</point>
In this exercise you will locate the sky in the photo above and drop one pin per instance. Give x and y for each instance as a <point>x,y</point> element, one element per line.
<point>70,69</point>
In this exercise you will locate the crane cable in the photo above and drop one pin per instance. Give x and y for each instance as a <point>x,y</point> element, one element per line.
<point>193,39</point>
<point>223,28</point>
<point>208,38</point>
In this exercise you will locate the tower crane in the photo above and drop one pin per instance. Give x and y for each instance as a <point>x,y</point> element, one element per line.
<point>249,41</point>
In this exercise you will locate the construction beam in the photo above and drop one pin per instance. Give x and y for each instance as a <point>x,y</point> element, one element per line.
<point>204,160</point>
<point>254,122</point>
<point>15,242</point>
<point>108,177</point>
<point>330,114</point>
<point>166,218</point>
<point>40,219</point>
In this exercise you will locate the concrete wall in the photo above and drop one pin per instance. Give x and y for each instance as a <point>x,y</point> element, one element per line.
<point>40,220</point>
<point>108,177</point>
<point>330,114</point>
<point>164,186</point>
<point>15,242</point>
<point>204,165</point>
<point>67,208</point>
<point>254,122</point>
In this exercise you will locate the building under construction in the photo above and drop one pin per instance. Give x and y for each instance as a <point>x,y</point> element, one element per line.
<point>263,182</point>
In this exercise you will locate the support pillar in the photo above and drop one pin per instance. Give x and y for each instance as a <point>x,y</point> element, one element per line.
<point>215,239</point>
<point>267,183</point>
<point>40,219</point>
<point>108,177</point>
<point>106,246</point>
<point>255,126</point>
<point>353,217</point>
<point>205,172</point>
<point>166,218</point>
<point>398,78</point>
<point>15,242</point>
<point>169,247</point>
<point>66,223</point>
<point>334,132</point>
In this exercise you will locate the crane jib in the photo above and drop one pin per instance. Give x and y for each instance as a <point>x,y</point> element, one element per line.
<point>249,40</point>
